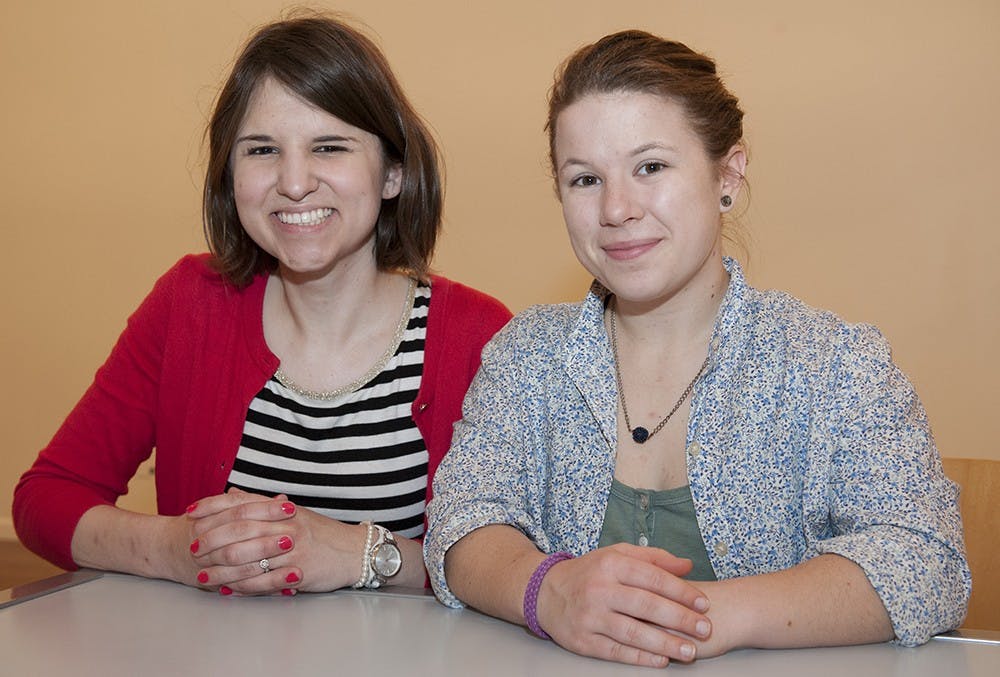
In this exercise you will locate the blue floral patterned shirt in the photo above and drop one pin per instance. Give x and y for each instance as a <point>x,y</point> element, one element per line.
<point>803,438</point>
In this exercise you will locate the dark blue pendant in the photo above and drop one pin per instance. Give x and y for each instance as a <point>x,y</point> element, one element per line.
<point>640,434</point>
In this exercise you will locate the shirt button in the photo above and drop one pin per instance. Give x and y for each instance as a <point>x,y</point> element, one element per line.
<point>721,549</point>
<point>644,501</point>
<point>643,541</point>
<point>694,449</point>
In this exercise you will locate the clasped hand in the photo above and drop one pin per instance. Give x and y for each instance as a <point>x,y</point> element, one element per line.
<point>624,603</point>
<point>233,532</point>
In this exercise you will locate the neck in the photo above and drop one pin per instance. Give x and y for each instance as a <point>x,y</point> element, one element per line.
<point>332,308</point>
<point>685,318</point>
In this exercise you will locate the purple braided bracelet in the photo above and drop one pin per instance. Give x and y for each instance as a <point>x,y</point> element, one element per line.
<point>531,592</point>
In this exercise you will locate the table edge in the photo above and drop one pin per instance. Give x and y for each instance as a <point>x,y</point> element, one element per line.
<point>46,586</point>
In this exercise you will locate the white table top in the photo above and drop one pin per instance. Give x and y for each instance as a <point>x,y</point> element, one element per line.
<point>112,624</point>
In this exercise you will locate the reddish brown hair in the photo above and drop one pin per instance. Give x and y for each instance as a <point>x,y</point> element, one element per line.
<point>635,61</point>
<point>334,67</point>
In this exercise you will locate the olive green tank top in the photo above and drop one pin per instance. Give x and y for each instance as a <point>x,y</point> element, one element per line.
<point>662,519</point>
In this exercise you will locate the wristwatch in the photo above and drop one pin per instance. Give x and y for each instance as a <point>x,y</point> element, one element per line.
<point>384,559</point>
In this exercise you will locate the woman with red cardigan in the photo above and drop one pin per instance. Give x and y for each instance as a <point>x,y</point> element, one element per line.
<point>299,383</point>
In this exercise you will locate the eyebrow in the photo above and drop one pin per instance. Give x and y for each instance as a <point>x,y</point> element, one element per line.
<point>653,146</point>
<point>264,138</point>
<point>646,147</point>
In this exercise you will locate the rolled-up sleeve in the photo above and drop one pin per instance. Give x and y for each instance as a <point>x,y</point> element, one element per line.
<point>893,510</point>
<point>482,479</point>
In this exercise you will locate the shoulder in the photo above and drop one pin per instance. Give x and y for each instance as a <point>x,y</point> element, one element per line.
<point>781,335</point>
<point>191,271</point>
<point>771,319</point>
<point>463,305</point>
<point>537,333</point>
<point>552,319</point>
<point>193,288</point>
<point>776,315</point>
<point>195,274</point>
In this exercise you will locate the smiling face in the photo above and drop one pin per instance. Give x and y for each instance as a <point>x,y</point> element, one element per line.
<point>308,186</point>
<point>641,197</point>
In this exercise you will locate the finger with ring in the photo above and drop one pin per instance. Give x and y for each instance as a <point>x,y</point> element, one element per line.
<point>265,565</point>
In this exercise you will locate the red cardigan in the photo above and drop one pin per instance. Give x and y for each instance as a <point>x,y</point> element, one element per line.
<point>180,380</point>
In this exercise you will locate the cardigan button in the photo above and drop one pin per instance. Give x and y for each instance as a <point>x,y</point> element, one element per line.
<point>694,449</point>
<point>721,549</point>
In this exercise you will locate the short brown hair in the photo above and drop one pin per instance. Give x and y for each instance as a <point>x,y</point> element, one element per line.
<point>636,61</point>
<point>334,67</point>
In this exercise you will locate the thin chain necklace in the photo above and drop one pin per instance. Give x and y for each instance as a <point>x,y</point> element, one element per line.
<point>640,434</point>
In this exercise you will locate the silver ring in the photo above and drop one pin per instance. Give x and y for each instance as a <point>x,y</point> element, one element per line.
<point>264,565</point>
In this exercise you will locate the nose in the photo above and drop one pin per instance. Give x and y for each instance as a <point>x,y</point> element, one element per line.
<point>296,178</point>
<point>618,204</point>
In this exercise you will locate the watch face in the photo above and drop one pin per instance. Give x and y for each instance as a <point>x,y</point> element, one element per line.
<point>386,560</point>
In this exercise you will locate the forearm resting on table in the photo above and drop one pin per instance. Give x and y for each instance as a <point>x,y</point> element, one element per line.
<point>501,555</point>
<point>114,539</point>
<point>825,601</point>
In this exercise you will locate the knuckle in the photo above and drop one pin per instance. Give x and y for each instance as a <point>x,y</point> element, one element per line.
<point>653,660</point>
<point>687,621</point>
<point>648,605</point>
<point>668,644</point>
<point>230,557</point>
<point>621,653</point>
<point>657,578</point>
<point>608,563</point>
<point>242,529</point>
<point>617,547</point>
<point>631,631</point>
<point>588,618</point>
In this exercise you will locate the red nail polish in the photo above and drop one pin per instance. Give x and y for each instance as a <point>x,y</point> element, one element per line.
<point>202,577</point>
<point>288,508</point>
<point>225,591</point>
<point>191,508</point>
<point>194,546</point>
<point>287,592</point>
<point>285,543</point>
<point>292,578</point>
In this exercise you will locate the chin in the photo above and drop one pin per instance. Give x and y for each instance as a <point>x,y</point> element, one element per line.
<point>633,286</point>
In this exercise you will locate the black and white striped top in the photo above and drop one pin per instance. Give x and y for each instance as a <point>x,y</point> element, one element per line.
<point>352,456</point>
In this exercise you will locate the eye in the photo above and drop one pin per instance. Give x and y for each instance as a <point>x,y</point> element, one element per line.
<point>651,167</point>
<point>331,148</point>
<point>584,181</point>
<point>261,150</point>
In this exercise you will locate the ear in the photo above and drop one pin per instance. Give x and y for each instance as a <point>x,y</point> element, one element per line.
<point>732,173</point>
<point>393,181</point>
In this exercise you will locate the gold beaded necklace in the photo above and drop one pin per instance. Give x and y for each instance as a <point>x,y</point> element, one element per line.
<point>379,365</point>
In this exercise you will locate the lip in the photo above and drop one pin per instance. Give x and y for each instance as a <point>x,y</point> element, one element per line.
<point>631,249</point>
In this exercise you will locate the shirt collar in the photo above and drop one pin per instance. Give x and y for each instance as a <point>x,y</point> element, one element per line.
<point>730,322</point>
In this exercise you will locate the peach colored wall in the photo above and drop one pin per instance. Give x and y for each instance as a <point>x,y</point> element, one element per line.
<point>872,129</point>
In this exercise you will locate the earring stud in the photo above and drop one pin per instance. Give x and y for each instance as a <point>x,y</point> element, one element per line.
<point>726,201</point>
